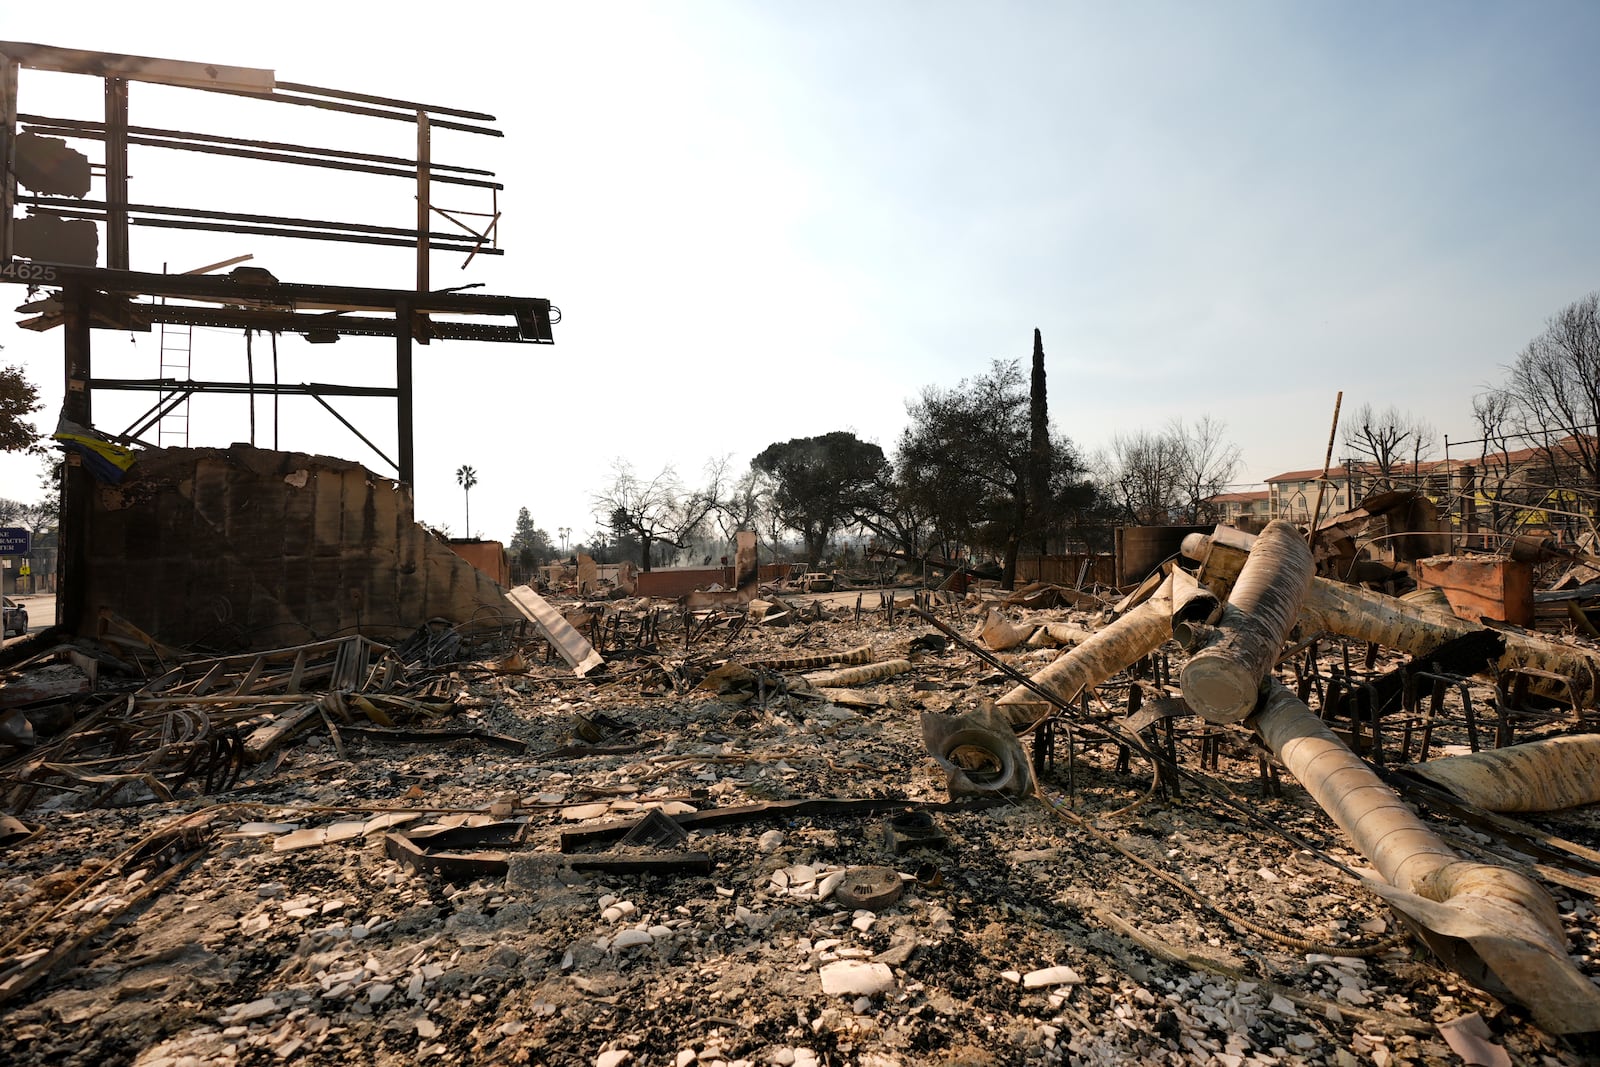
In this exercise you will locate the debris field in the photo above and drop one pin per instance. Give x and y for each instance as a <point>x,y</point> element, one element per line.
<point>729,844</point>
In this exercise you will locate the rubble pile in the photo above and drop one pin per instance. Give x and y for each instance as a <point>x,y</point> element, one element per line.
<point>804,830</point>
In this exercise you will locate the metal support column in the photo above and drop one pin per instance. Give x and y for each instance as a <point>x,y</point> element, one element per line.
<point>424,199</point>
<point>402,382</point>
<point>76,485</point>
<point>8,129</point>
<point>117,173</point>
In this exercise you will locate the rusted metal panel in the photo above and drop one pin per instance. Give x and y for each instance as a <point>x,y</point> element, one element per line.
<point>1482,588</point>
<point>1141,549</point>
<point>488,556</point>
<point>680,581</point>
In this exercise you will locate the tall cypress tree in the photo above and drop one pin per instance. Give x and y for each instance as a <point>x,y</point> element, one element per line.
<point>1039,444</point>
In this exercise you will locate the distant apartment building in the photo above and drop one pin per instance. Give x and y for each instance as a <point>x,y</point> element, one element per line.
<point>1525,486</point>
<point>1293,494</point>
<point>1289,496</point>
<point>1245,511</point>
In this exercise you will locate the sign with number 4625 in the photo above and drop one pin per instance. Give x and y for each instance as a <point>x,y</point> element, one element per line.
<point>23,271</point>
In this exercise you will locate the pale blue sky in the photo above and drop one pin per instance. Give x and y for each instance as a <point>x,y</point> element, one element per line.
<point>772,220</point>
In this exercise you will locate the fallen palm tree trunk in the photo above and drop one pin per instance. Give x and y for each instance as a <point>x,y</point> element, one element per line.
<point>1548,775</point>
<point>1228,662</point>
<point>1389,621</point>
<point>818,659</point>
<point>1062,633</point>
<point>1116,647</point>
<point>1396,623</point>
<point>1493,926</point>
<point>872,672</point>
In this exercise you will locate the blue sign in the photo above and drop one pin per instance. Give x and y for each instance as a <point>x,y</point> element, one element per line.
<point>14,541</point>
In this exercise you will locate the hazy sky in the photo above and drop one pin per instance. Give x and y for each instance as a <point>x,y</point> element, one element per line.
<point>765,221</point>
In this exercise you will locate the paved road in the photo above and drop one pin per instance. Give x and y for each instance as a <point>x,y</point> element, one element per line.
<point>41,612</point>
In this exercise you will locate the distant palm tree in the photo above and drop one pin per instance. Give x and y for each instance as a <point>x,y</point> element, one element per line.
<point>466,478</point>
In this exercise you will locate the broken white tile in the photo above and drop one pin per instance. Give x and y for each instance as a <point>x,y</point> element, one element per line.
<point>673,807</point>
<point>1051,976</point>
<point>855,978</point>
<point>318,835</point>
<point>252,1010</point>
<point>631,939</point>
<point>386,821</point>
<point>581,812</point>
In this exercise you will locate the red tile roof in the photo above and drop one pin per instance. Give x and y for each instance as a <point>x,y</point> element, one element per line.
<point>1516,458</point>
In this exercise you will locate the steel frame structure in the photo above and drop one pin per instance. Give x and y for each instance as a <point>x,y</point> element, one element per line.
<point>116,297</point>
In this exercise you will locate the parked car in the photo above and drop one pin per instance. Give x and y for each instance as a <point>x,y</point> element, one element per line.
<point>16,618</point>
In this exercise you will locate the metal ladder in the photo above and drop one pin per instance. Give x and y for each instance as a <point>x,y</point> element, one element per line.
<point>177,346</point>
